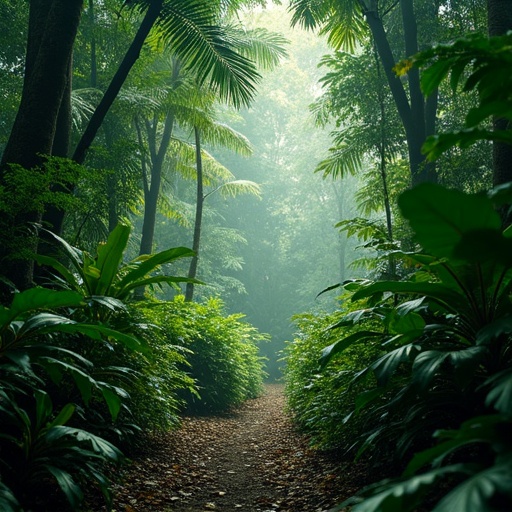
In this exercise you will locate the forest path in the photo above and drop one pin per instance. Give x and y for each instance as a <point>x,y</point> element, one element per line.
<point>251,460</point>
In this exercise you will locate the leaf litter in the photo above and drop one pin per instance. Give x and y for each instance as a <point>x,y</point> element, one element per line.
<point>251,459</point>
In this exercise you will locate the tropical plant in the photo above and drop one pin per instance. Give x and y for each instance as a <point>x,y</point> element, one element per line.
<point>104,279</point>
<point>320,401</point>
<point>447,365</point>
<point>479,62</point>
<point>35,444</point>
<point>222,352</point>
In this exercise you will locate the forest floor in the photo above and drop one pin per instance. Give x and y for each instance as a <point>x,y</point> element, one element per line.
<point>252,460</point>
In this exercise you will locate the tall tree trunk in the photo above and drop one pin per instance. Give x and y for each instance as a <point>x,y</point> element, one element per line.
<point>117,82</point>
<point>192,271</point>
<point>53,27</point>
<point>152,191</point>
<point>47,78</point>
<point>499,14</point>
<point>411,114</point>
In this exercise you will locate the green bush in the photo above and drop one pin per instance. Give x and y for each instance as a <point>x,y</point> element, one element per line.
<point>222,355</point>
<point>38,450</point>
<point>446,371</point>
<point>321,401</point>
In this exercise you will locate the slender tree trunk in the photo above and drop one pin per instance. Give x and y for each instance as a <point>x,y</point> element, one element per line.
<point>93,79</point>
<point>500,21</point>
<point>117,82</point>
<point>153,189</point>
<point>192,271</point>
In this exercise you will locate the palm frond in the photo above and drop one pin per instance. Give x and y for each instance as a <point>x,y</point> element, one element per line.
<point>265,48</point>
<point>343,159</point>
<point>346,26</point>
<point>238,187</point>
<point>309,14</point>
<point>174,209</point>
<point>218,134</point>
<point>192,30</point>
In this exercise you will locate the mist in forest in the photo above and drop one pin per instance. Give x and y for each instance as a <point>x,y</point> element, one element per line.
<point>272,255</point>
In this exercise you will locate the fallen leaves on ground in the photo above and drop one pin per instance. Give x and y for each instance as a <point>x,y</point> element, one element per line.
<point>251,460</point>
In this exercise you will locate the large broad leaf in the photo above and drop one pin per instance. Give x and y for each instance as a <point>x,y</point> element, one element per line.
<point>140,269</point>
<point>38,298</point>
<point>338,346</point>
<point>403,496</point>
<point>464,363</point>
<point>8,502</point>
<point>477,492</point>
<point>500,395</point>
<point>170,280</point>
<point>98,332</point>
<point>68,485</point>
<point>110,256</point>
<point>440,217</point>
<point>386,366</point>
<point>481,429</point>
<point>480,246</point>
<point>439,292</point>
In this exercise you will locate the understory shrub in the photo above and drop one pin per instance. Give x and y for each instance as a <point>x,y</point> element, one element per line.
<point>321,401</point>
<point>442,397</point>
<point>222,352</point>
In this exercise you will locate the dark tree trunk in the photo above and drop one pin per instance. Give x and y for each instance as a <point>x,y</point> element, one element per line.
<point>47,78</point>
<point>500,21</point>
<point>412,114</point>
<point>192,271</point>
<point>53,26</point>
<point>152,190</point>
<point>117,82</point>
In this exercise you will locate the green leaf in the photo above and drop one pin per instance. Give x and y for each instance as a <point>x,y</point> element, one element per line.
<point>68,486</point>
<point>440,217</point>
<point>338,346</point>
<point>64,415</point>
<point>386,366</point>
<point>110,256</point>
<point>476,493</point>
<point>139,269</point>
<point>40,298</point>
<point>481,429</point>
<point>403,496</point>
<point>113,401</point>
<point>500,395</point>
<point>44,408</point>
<point>59,267</point>
<point>434,75</point>
<point>449,297</point>
<point>407,323</point>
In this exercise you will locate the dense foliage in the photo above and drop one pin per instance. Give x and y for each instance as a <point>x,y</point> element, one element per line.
<point>221,352</point>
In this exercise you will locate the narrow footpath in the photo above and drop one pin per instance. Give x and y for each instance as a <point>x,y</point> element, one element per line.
<point>251,460</point>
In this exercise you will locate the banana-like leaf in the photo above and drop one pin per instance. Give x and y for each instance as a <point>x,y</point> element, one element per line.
<point>138,270</point>
<point>338,346</point>
<point>110,256</point>
<point>440,217</point>
<point>38,298</point>
<point>438,292</point>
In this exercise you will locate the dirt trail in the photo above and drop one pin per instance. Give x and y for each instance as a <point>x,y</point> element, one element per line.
<point>251,460</point>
